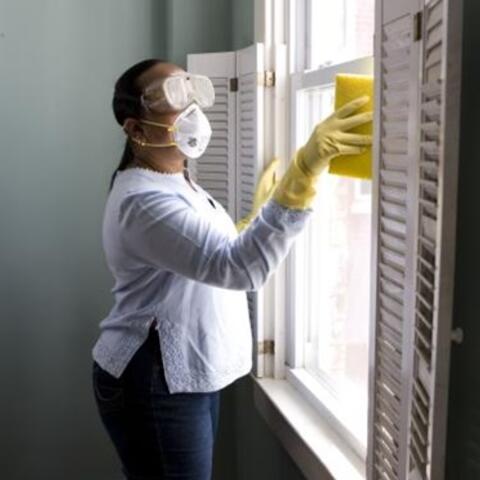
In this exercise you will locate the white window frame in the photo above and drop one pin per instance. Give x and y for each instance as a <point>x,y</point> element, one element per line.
<point>301,79</point>
<point>295,373</point>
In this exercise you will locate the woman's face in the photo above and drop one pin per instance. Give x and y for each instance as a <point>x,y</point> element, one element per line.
<point>149,133</point>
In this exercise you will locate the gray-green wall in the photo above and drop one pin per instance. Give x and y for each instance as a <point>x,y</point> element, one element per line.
<point>243,23</point>
<point>196,26</point>
<point>199,26</point>
<point>59,145</point>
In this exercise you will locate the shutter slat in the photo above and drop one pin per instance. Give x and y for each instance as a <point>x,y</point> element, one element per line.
<point>391,274</point>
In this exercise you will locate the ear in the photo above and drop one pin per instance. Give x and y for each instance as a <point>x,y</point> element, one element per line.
<point>133,128</point>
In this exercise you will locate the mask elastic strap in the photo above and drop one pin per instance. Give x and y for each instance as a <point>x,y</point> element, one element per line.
<point>155,145</point>
<point>170,128</point>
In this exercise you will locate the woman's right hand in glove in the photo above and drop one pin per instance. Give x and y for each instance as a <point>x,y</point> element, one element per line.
<point>329,139</point>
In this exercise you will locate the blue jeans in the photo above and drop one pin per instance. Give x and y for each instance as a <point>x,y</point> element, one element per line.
<point>157,434</point>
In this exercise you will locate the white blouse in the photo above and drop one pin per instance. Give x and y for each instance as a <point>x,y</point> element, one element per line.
<point>176,258</point>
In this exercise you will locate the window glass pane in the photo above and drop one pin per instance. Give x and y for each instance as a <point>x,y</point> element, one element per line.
<point>340,30</point>
<point>338,278</point>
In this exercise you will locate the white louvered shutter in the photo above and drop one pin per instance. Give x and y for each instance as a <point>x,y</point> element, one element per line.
<point>215,170</point>
<point>396,65</point>
<point>249,165</point>
<point>437,172</point>
<point>230,167</point>
<point>412,304</point>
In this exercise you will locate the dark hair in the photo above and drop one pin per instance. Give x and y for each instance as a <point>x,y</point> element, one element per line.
<point>126,103</point>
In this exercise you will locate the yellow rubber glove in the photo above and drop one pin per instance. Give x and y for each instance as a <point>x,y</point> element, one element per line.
<point>329,139</point>
<point>264,190</point>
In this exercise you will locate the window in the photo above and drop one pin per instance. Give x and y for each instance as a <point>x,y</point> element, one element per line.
<point>331,272</point>
<point>338,31</point>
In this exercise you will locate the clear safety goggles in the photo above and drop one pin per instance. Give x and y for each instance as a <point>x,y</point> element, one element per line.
<point>176,92</point>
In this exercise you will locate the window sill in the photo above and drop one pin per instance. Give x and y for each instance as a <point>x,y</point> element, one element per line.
<point>319,452</point>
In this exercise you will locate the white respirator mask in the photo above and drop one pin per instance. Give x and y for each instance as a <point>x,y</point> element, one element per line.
<point>191,132</point>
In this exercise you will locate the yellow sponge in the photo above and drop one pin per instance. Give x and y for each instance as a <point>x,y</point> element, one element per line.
<point>347,88</point>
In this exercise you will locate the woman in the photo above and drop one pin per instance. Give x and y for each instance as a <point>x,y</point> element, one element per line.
<point>179,330</point>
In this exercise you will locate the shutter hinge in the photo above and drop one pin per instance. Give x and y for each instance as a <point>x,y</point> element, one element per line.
<point>234,84</point>
<point>266,78</point>
<point>267,346</point>
<point>270,78</point>
<point>417,26</point>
